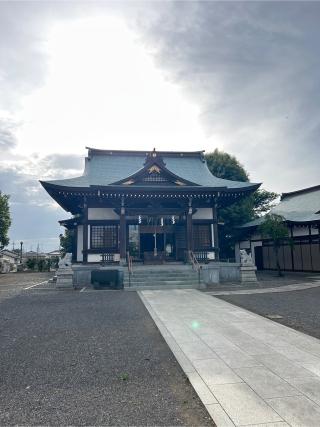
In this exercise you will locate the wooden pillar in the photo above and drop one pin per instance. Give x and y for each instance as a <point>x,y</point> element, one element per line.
<point>215,230</point>
<point>85,230</point>
<point>75,243</point>
<point>123,233</point>
<point>189,227</point>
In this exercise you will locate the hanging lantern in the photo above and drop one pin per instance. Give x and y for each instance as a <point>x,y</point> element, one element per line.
<point>173,219</point>
<point>161,222</point>
<point>139,219</point>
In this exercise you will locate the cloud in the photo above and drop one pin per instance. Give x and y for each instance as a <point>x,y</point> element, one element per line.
<point>34,214</point>
<point>8,138</point>
<point>252,67</point>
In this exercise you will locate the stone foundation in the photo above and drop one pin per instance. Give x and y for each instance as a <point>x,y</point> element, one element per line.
<point>248,274</point>
<point>64,278</point>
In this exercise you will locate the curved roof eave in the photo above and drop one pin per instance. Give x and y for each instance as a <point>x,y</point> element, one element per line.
<point>57,185</point>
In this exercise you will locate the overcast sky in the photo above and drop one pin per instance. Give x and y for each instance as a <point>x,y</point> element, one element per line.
<point>240,76</point>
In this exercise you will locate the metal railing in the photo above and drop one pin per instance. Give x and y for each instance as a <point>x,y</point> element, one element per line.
<point>130,267</point>
<point>195,264</point>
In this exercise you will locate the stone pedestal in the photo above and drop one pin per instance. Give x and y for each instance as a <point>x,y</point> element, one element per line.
<point>248,273</point>
<point>64,278</point>
<point>211,273</point>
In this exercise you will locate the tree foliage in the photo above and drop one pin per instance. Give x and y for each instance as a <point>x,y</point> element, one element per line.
<point>66,242</point>
<point>5,219</point>
<point>226,166</point>
<point>274,228</point>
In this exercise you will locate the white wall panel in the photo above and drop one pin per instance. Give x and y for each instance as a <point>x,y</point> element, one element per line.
<point>79,243</point>
<point>102,213</point>
<point>203,213</point>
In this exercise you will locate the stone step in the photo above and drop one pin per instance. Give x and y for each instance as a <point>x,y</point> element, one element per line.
<point>164,277</point>
<point>161,281</point>
<point>162,274</point>
<point>153,288</point>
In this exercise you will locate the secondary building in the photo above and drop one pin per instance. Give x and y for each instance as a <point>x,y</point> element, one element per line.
<point>301,252</point>
<point>156,206</point>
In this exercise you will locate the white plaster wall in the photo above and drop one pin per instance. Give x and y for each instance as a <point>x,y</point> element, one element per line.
<point>94,257</point>
<point>97,257</point>
<point>300,231</point>
<point>80,243</point>
<point>102,213</point>
<point>203,213</point>
<point>245,244</point>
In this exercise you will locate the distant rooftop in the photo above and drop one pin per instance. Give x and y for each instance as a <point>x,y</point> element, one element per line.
<point>297,206</point>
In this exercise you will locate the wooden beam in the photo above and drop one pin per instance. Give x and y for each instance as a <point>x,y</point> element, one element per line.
<point>189,227</point>
<point>123,233</point>
<point>85,230</point>
<point>215,230</point>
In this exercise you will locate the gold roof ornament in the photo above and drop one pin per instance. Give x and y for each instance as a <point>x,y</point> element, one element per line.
<point>154,168</point>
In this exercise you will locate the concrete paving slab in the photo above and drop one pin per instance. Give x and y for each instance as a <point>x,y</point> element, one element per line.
<point>283,367</point>
<point>219,416</point>
<point>215,371</point>
<point>259,371</point>
<point>298,411</point>
<point>197,350</point>
<point>308,386</point>
<point>243,405</point>
<point>201,388</point>
<point>266,383</point>
<point>279,424</point>
<point>236,358</point>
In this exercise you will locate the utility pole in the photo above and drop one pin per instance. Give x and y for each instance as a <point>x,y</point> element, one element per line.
<point>21,245</point>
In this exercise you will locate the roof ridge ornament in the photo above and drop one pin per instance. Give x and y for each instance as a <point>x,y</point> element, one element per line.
<point>154,158</point>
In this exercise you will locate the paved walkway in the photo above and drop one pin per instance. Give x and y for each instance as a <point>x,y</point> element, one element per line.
<point>246,369</point>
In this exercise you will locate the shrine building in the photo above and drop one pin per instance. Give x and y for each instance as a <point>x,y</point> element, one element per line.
<point>156,207</point>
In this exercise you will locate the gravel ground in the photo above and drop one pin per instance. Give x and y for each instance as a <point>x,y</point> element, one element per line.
<point>13,283</point>
<point>299,309</point>
<point>89,358</point>
<point>267,279</point>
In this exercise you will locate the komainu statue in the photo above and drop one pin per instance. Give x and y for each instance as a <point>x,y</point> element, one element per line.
<point>245,258</point>
<point>66,261</point>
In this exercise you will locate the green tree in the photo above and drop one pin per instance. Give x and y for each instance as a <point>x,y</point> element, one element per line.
<point>274,228</point>
<point>66,241</point>
<point>42,264</point>
<point>226,166</point>
<point>5,219</point>
<point>31,263</point>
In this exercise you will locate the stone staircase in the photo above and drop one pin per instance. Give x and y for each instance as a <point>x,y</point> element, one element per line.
<point>162,277</point>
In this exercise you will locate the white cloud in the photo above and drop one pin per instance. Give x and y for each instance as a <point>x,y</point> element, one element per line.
<point>242,76</point>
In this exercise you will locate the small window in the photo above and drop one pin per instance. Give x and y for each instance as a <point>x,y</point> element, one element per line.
<point>104,236</point>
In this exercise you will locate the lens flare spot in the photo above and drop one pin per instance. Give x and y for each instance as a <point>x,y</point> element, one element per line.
<point>195,325</point>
